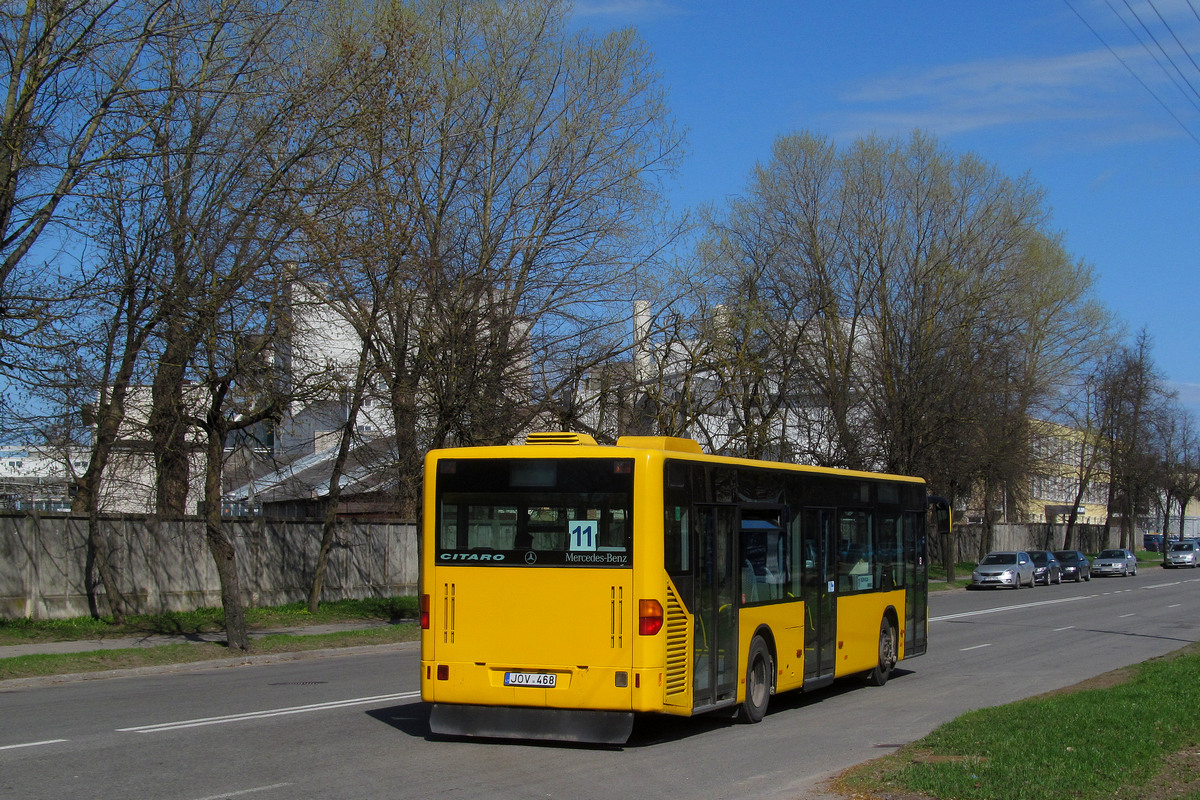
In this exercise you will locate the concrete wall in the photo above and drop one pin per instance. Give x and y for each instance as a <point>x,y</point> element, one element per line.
<point>165,566</point>
<point>1037,536</point>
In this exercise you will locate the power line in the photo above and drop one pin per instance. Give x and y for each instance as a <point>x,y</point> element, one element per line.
<point>1136,77</point>
<point>1161,50</point>
<point>1171,31</point>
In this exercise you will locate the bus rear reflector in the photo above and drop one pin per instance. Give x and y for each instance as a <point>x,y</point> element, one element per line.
<point>650,617</point>
<point>424,612</point>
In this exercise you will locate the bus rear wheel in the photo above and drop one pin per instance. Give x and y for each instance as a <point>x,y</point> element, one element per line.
<point>887,655</point>
<point>759,667</point>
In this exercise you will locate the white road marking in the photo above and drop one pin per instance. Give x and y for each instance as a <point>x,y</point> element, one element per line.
<point>976,647</point>
<point>31,744</point>
<point>1008,608</point>
<point>274,712</point>
<point>245,791</point>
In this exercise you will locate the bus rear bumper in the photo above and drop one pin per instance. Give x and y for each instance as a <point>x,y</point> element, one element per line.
<point>551,724</point>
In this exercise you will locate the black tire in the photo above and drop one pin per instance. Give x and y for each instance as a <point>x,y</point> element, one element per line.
<point>888,649</point>
<point>760,668</point>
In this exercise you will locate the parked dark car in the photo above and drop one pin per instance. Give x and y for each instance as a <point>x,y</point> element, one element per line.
<point>1075,566</point>
<point>1046,568</point>
<point>1153,542</point>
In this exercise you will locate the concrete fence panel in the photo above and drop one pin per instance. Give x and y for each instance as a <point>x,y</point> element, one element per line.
<point>48,569</point>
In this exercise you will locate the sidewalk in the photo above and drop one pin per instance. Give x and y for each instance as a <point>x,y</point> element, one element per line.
<point>155,639</point>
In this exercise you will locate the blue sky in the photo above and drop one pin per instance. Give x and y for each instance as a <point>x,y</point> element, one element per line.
<point>1024,84</point>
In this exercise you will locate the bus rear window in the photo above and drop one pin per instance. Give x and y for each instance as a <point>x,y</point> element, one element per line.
<point>549,512</point>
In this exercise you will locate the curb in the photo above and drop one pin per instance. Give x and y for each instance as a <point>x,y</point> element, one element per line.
<point>248,660</point>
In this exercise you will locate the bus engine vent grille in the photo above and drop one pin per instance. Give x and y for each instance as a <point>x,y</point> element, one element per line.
<point>677,645</point>
<point>564,437</point>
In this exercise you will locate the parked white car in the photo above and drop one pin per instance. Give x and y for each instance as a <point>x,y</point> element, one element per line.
<point>1115,562</point>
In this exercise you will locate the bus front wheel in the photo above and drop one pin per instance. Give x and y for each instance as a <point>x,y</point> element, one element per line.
<point>887,655</point>
<point>759,667</point>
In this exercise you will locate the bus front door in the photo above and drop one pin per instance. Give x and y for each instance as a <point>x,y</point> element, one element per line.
<point>820,597</point>
<point>715,657</point>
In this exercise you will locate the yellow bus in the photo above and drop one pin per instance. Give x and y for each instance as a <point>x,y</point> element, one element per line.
<point>567,586</point>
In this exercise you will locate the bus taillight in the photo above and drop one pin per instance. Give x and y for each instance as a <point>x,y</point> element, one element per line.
<point>650,617</point>
<point>424,612</point>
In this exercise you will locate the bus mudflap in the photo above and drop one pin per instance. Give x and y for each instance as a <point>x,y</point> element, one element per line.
<point>549,724</point>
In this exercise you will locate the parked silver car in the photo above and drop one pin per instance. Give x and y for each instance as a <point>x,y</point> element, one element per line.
<point>1182,554</point>
<point>1115,562</point>
<point>1075,566</point>
<point>1004,568</point>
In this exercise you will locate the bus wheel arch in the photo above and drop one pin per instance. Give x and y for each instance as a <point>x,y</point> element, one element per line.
<point>760,677</point>
<point>889,649</point>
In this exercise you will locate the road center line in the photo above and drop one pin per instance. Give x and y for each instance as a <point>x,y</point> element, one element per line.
<point>245,791</point>
<point>975,647</point>
<point>1009,608</point>
<point>30,744</point>
<point>274,712</point>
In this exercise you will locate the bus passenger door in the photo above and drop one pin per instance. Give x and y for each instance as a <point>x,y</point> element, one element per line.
<point>916,582</point>
<point>820,596</point>
<point>716,656</point>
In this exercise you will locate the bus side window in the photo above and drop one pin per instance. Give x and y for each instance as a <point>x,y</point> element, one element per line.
<point>675,541</point>
<point>855,552</point>
<point>802,559</point>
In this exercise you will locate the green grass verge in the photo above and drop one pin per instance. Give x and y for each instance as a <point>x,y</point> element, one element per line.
<point>205,620</point>
<point>401,611</point>
<point>34,666</point>
<point>1127,734</point>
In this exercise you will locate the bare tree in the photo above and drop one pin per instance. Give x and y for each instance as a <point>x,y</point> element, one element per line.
<point>1083,414</point>
<point>237,138</point>
<point>921,310</point>
<point>71,67</point>
<point>1131,395</point>
<point>530,183</point>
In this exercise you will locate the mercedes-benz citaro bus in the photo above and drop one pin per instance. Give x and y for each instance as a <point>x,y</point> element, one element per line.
<point>567,586</point>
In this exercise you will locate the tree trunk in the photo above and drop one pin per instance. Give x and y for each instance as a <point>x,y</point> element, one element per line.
<point>98,554</point>
<point>87,500</point>
<point>168,426</point>
<point>219,545</point>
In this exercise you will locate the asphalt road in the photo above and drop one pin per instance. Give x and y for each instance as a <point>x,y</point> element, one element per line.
<point>353,726</point>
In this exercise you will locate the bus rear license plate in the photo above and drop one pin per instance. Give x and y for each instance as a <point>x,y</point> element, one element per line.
<point>542,680</point>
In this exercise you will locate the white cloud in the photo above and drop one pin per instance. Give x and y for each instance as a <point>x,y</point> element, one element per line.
<point>1090,90</point>
<point>627,10</point>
